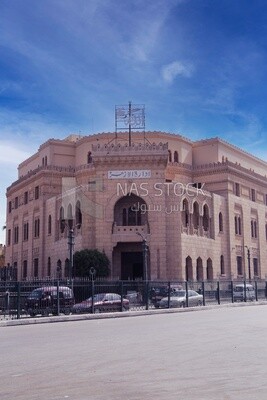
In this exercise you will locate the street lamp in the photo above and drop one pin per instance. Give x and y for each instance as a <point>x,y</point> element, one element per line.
<point>145,254</point>
<point>71,248</point>
<point>249,269</point>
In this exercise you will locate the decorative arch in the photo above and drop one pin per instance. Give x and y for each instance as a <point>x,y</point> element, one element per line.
<point>176,157</point>
<point>170,155</point>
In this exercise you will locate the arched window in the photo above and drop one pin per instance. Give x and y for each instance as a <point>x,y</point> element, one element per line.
<point>236,225</point>
<point>89,157</point>
<point>188,269</point>
<point>239,226</point>
<point>200,275</point>
<point>59,269</point>
<point>70,216</point>
<point>67,267</point>
<point>78,214</point>
<point>206,217</point>
<point>176,157</point>
<point>185,213</point>
<point>61,219</point>
<point>130,210</point>
<point>222,265</point>
<point>255,229</point>
<point>170,155</point>
<point>220,222</point>
<point>209,270</point>
<point>49,225</point>
<point>196,215</point>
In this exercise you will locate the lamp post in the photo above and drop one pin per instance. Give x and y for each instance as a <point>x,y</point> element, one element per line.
<point>249,269</point>
<point>145,254</point>
<point>71,248</point>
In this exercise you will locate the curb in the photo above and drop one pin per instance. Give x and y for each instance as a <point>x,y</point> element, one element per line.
<point>139,313</point>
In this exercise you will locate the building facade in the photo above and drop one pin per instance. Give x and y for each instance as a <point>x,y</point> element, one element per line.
<point>201,206</point>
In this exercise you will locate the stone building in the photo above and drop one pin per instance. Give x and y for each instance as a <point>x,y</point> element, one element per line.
<point>201,206</point>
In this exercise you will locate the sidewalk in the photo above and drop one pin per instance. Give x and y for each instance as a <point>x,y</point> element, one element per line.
<point>7,321</point>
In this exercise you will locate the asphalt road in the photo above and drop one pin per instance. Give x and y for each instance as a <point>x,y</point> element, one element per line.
<point>218,354</point>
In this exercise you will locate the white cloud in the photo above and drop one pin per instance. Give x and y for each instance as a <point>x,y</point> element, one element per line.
<point>172,70</point>
<point>10,154</point>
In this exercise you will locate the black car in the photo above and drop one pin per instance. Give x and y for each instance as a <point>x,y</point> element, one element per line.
<point>159,292</point>
<point>49,300</point>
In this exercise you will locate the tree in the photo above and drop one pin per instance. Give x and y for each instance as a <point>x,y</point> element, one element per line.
<point>84,260</point>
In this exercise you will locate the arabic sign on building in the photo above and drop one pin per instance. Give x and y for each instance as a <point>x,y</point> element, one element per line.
<point>129,174</point>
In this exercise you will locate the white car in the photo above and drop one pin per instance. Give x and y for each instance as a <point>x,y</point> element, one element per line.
<point>239,292</point>
<point>178,299</point>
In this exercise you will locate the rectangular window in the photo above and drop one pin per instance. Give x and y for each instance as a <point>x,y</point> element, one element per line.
<point>253,195</point>
<point>24,271</point>
<point>37,227</point>
<point>16,234</point>
<point>239,265</point>
<point>16,202</point>
<point>35,267</point>
<point>237,189</point>
<point>26,198</point>
<point>9,237</point>
<point>9,207</point>
<point>36,193</point>
<point>26,231</point>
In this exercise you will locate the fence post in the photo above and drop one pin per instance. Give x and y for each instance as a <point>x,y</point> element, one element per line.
<point>169,293</point>
<point>18,300</point>
<point>147,294</point>
<point>203,293</point>
<point>266,289</point>
<point>232,291</point>
<point>93,295</point>
<point>256,290</point>
<point>245,290</point>
<point>186,293</point>
<point>218,292</point>
<point>121,296</point>
<point>58,304</point>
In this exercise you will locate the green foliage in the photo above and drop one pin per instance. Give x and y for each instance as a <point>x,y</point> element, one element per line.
<point>84,260</point>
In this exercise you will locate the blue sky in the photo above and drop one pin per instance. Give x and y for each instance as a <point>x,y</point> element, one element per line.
<point>199,66</point>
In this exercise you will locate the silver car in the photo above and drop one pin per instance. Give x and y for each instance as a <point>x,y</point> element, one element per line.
<point>178,299</point>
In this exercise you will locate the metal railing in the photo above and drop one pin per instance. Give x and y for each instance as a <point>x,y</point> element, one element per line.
<point>20,299</point>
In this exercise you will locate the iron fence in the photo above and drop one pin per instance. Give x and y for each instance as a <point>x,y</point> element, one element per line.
<point>20,299</point>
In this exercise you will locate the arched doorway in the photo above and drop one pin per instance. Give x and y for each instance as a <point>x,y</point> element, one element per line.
<point>209,270</point>
<point>188,269</point>
<point>200,275</point>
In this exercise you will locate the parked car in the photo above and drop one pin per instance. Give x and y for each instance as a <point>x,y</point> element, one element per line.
<point>133,297</point>
<point>239,292</point>
<point>178,299</point>
<point>157,293</point>
<point>44,300</point>
<point>103,302</point>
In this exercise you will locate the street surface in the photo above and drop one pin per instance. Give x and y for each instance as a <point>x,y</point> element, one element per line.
<point>218,354</point>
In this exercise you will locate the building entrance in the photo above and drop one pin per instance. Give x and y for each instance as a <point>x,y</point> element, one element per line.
<point>132,265</point>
